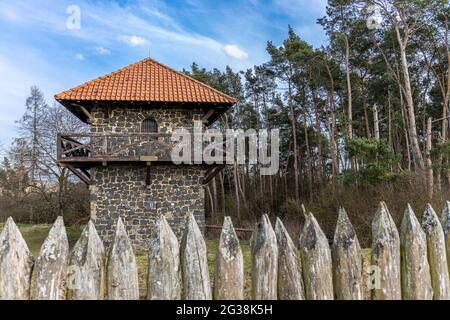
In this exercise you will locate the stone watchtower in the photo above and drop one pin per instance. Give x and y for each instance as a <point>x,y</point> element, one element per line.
<point>125,158</point>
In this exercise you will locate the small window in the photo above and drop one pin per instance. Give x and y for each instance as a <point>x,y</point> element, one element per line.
<point>149,125</point>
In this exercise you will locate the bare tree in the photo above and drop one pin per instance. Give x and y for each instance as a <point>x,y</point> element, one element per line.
<point>407,18</point>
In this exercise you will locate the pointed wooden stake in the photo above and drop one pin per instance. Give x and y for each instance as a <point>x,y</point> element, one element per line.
<point>386,255</point>
<point>229,276</point>
<point>445,221</point>
<point>437,255</point>
<point>51,266</point>
<point>123,283</point>
<point>290,282</point>
<point>16,264</point>
<point>86,278</point>
<point>316,260</point>
<point>416,278</point>
<point>164,282</point>
<point>194,263</point>
<point>264,261</point>
<point>347,260</point>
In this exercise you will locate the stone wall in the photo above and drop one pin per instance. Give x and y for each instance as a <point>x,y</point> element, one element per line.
<point>121,190</point>
<point>128,119</point>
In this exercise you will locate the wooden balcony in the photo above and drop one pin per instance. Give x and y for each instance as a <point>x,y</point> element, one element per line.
<point>81,151</point>
<point>87,149</point>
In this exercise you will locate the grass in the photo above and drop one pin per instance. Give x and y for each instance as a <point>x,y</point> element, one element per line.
<point>35,235</point>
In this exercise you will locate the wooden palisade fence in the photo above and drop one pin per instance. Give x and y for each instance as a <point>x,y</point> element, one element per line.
<point>410,264</point>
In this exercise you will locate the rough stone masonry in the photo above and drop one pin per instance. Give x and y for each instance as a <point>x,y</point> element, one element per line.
<point>121,190</point>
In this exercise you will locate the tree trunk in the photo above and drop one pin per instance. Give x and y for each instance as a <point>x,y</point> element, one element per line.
<point>376,123</point>
<point>389,121</point>
<point>318,135</point>
<point>211,200</point>
<point>308,152</point>
<point>405,128</point>
<point>332,127</point>
<point>214,193</point>
<point>407,91</point>
<point>349,90</point>
<point>430,182</point>
<point>294,136</point>
<point>222,191</point>
<point>366,121</point>
<point>236,192</point>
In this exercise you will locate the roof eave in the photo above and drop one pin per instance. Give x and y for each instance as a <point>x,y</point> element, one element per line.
<point>71,105</point>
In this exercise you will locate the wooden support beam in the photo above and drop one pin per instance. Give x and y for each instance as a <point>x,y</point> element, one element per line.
<point>208,115</point>
<point>85,112</point>
<point>148,158</point>
<point>86,172</point>
<point>82,177</point>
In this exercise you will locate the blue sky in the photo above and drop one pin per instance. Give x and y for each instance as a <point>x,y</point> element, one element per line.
<point>39,47</point>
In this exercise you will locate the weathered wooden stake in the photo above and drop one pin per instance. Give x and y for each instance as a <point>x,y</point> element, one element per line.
<point>164,281</point>
<point>51,265</point>
<point>445,221</point>
<point>317,262</point>
<point>386,255</point>
<point>416,278</point>
<point>86,276</point>
<point>347,261</point>
<point>16,264</point>
<point>264,261</point>
<point>122,274</point>
<point>290,282</point>
<point>194,263</point>
<point>229,276</point>
<point>437,255</point>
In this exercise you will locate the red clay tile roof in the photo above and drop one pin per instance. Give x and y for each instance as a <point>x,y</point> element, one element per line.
<point>146,81</point>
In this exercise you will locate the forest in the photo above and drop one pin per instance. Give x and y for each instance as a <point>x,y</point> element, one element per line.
<point>363,119</point>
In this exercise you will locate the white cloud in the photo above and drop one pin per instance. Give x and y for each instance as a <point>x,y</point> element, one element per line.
<point>111,25</point>
<point>235,52</point>
<point>79,56</point>
<point>102,51</point>
<point>133,41</point>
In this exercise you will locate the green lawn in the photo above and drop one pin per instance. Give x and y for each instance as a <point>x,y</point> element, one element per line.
<point>35,235</point>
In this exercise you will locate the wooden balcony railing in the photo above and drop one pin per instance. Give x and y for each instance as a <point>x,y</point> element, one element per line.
<point>114,147</point>
<point>80,151</point>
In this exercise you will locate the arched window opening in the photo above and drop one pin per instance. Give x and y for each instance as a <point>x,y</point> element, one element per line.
<point>149,125</point>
